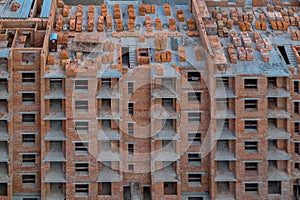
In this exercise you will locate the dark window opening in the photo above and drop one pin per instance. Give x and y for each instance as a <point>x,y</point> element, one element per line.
<point>250,83</point>
<point>284,54</point>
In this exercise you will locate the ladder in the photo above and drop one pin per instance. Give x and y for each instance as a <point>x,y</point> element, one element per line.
<point>132,56</point>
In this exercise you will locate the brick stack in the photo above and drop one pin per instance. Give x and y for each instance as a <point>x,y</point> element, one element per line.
<point>148,23</point>
<point>131,13</point>
<point>91,14</point>
<point>172,24</point>
<point>279,25</point>
<point>245,26</point>
<point>100,23</point>
<point>163,56</point>
<point>242,53</point>
<point>119,24</point>
<point>160,42</point>
<point>264,54</point>
<point>72,23</point>
<point>158,25</point>
<point>295,35</point>
<point>66,10</point>
<point>142,10</point>
<point>180,16</point>
<point>117,11</point>
<point>131,25</point>
<point>109,22</point>
<point>79,18</point>
<point>153,9</point>
<point>249,54</point>
<point>103,10</point>
<point>231,53</point>
<point>59,23</point>
<point>167,9</point>
<point>181,54</point>
<point>191,24</point>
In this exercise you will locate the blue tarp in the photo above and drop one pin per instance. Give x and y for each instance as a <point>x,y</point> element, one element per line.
<point>46,9</point>
<point>4,53</point>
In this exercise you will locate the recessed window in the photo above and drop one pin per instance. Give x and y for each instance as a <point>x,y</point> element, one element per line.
<point>194,179</point>
<point>130,167</point>
<point>194,159</point>
<point>28,181</point>
<point>130,88</point>
<point>130,149</point>
<point>194,77</point>
<point>274,187</point>
<point>28,160</point>
<point>81,85</point>
<point>296,127</point>
<point>106,82</point>
<point>251,146</point>
<point>81,106</point>
<point>130,128</point>
<point>28,78</point>
<point>3,189</point>
<point>194,118</point>
<point>296,87</point>
<point>81,148</point>
<point>130,108</point>
<point>194,138</point>
<point>28,139</point>
<point>251,188</point>
<point>56,125</point>
<point>28,119</point>
<point>251,166</point>
<point>250,83</point>
<point>251,105</point>
<point>250,126</point>
<point>82,127</point>
<point>297,166</point>
<point>28,98</point>
<point>297,147</point>
<point>82,169</point>
<point>194,96</point>
<point>104,188</point>
<point>296,108</point>
<point>82,189</point>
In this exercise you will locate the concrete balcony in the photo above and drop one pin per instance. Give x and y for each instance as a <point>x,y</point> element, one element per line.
<point>3,152</point>
<point>225,155</point>
<point>3,71</point>
<point>275,174</point>
<point>224,134</point>
<point>107,113</point>
<point>54,71</point>
<point>3,131</point>
<point>225,196</point>
<point>277,133</point>
<point>3,91</point>
<point>224,176</point>
<point>108,175</point>
<point>109,155</point>
<point>108,93</point>
<point>55,115</point>
<point>165,92</point>
<point>55,156</point>
<point>4,178</point>
<point>166,134</point>
<point>224,92</point>
<point>165,113</point>
<point>55,136</point>
<point>273,91</point>
<point>167,174</point>
<point>278,113</point>
<point>276,154</point>
<point>55,94</point>
<point>165,154</point>
<point>224,113</point>
<point>109,134</point>
<point>55,176</point>
<point>56,192</point>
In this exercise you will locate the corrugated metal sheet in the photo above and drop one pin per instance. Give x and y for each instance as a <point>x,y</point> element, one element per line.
<point>46,9</point>
<point>22,13</point>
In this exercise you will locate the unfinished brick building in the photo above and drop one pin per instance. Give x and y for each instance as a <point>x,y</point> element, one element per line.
<point>149,99</point>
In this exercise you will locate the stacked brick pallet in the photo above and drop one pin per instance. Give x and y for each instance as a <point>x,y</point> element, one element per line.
<point>180,16</point>
<point>91,14</point>
<point>79,18</point>
<point>163,56</point>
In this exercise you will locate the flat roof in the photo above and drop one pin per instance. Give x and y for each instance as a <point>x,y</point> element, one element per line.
<point>22,13</point>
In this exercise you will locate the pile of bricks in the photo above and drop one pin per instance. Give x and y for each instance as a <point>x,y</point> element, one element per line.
<point>191,24</point>
<point>131,13</point>
<point>222,30</point>
<point>148,23</point>
<point>160,42</point>
<point>245,26</point>
<point>264,54</point>
<point>180,16</point>
<point>295,35</point>
<point>181,54</point>
<point>100,23</point>
<point>103,10</point>
<point>64,54</point>
<point>158,25</point>
<point>279,25</point>
<point>59,23</point>
<point>72,23</point>
<point>109,22</point>
<point>131,25</point>
<point>167,9</point>
<point>119,25</point>
<point>91,14</point>
<point>142,10</point>
<point>63,38</point>
<point>15,6</point>
<point>117,11</point>
<point>163,56</point>
<point>172,24</point>
<point>66,11</point>
<point>147,8</point>
<point>79,18</point>
<point>231,53</point>
<point>260,25</point>
<point>50,60</point>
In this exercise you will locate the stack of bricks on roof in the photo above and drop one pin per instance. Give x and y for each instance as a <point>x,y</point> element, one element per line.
<point>149,99</point>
